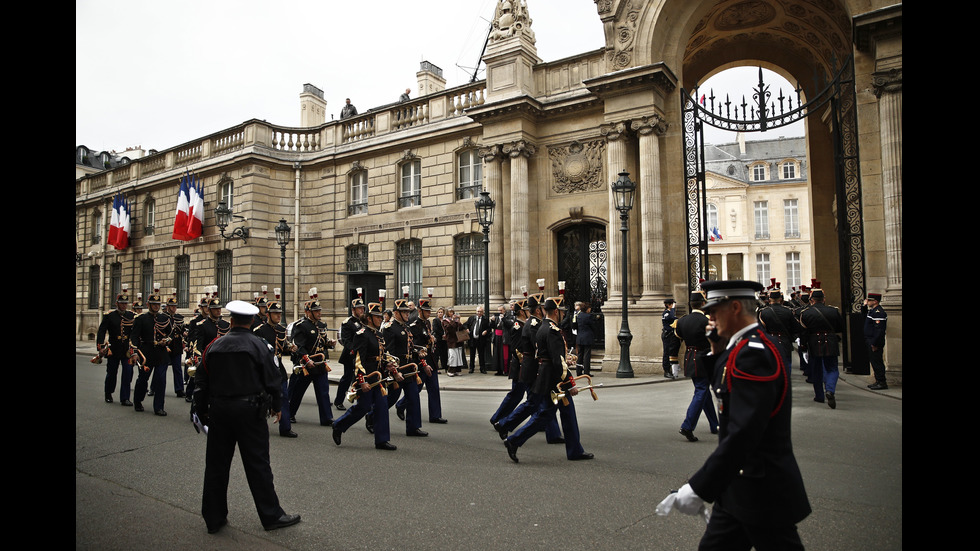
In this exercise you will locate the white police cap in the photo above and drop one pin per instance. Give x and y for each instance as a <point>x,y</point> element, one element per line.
<point>242,308</point>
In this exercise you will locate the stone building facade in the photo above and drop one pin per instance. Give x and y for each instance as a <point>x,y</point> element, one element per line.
<point>387,197</point>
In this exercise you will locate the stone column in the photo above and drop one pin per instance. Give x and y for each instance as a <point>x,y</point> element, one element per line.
<point>888,89</point>
<point>494,184</point>
<point>649,130</point>
<point>615,135</point>
<point>520,253</point>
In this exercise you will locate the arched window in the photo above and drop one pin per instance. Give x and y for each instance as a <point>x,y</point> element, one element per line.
<point>97,222</point>
<point>358,193</point>
<point>149,215</point>
<point>226,193</point>
<point>470,262</point>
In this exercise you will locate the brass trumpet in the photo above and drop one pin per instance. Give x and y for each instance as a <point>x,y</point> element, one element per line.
<point>353,393</point>
<point>322,363</point>
<point>563,395</point>
<point>103,353</point>
<point>414,373</point>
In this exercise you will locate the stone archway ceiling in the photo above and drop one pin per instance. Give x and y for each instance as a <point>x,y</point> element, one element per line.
<point>804,33</point>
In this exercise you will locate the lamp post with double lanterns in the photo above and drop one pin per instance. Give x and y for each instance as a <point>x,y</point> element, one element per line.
<point>223,217</point>
<point>282,238</point>
<point>484,209</point>
<point>623,190</point>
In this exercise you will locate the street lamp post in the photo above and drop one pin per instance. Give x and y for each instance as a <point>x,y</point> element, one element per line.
<point>484,209</point>
<point>623,190</point>
<point>282,238</point>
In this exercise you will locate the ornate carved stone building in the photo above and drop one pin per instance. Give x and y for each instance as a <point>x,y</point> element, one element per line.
<point>386,198</point>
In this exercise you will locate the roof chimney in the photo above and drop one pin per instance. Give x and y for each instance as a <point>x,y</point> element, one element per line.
<point>430,79</point>
<point>312,107</point>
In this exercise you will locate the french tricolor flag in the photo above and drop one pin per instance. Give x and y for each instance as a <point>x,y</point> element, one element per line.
<point>195,218</point>
<point>114,221</point>
<point>183,211</point>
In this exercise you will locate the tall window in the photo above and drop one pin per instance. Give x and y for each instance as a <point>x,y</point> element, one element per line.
<point>93,287</point>
<point>470,259</point>
<point>97,223</point>
<point>408,257</point>
<point>793,275</point>
<point>712,220</point>
<point>758,173</point>
<point>761,209</point>
<point>223,261</point>
<point>791,216</point>
<point>358,193</point>
<point>762,269</point>
<point>357,258</point>
<point>226,193</point>
<point>182,280</point>
<point>789,170</point>
<point>115,280</point>
<point>146,279</point>
<point>470,175</point>
<point>149,215</point>
<point>411,187</point>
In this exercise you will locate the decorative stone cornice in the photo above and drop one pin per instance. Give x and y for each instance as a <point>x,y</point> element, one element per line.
<point>657,75</point>
<point>886,81</point>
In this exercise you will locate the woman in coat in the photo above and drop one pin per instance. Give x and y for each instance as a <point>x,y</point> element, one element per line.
<point>451,325</point>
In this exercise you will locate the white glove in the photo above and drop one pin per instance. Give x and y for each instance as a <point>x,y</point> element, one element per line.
<point>688,502</point>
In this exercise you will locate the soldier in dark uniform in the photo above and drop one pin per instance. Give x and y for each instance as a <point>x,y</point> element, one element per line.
<point>310,337</point>
<point>274,332</point>
<point>691,328</point>
<point>804,302</point>
<point>424,344</point>
<point>778,321</point>
<point>150,337</point>
<point>262,303</point>
<point>371,369</point>
<point>399,343</point>
<point>176,346</point>
<point>513,328</point>
<point>875,324</point>
<point>553,374</point>
<point>238,386</point>
<point>193,353</point>
<point>752,477</point>
<point>350,326</point>
<point>116,326</point>
<point>672,344</point>
<point>526,348</point>
<point>822,325</point>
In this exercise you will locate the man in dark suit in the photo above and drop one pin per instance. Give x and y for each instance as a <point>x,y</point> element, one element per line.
<point>752,478</point>
<point>479,328</point>
<point>585,322</point>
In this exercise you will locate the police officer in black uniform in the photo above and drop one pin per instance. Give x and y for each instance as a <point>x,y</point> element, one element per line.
<point>752,477</point>
<point>238,386</point>
<point>274,332</point>
<point>116,326</point>
<point>875,327</point>
<point>672,344</point>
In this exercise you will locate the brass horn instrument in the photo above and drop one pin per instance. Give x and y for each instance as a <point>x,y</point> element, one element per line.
<point>353,393</point>
<point>319,361</point>
<point>103,353</point>
<point>140,360</point>
<point>406,373</point>
<point>563,395</point>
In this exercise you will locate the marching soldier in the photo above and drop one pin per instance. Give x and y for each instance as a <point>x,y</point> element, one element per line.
<point>310,337</point>
<point>527,348</point>
<point>552,358</point>
<point>421,329</point>
<point>176,346</point>
<point>697,366</point>
<point>368,390</point>
<point>149,340</point>
<point>116,326</point>
<point>350,326</point>
<point>804,302</point>
<point>274,333</point>
<point>822,325</point>
<point>398,343</point>
<point>262,303</point>
<point>513,328</point>
<point>193,352</point>
<point>778,321</point>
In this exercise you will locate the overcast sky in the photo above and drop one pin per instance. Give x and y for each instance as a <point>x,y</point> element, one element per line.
<point>159,74</point>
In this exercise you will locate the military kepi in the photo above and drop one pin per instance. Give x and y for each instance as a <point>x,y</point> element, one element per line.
<point>719,291</point>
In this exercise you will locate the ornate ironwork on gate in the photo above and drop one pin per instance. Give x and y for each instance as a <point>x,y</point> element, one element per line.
<point>582,264</point>
<point>763,113</point>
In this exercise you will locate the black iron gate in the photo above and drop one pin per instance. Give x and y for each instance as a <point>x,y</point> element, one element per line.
<point>582,264</point>
<point>764,113</point>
